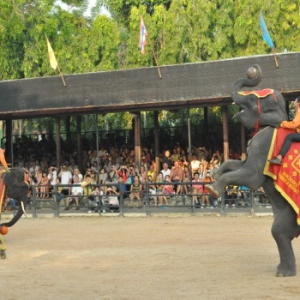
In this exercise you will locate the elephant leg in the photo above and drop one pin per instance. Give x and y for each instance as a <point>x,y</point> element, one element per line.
<point>243,176</point>
<point>228,166</point>
<point>284,230</point>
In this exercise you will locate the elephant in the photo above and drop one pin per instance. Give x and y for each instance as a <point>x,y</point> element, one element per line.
<point>16,188</point>
<point>263,115</point>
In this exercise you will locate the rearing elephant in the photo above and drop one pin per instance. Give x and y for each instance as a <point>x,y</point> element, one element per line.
<point>263,115</point>
<point>16,188</point>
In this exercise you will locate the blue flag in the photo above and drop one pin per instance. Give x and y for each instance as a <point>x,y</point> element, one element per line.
<point>265,32</point>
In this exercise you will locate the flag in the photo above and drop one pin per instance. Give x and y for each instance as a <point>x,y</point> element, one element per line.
<point>143,35</point>
<point>52,58</point>
<point>265,33</point>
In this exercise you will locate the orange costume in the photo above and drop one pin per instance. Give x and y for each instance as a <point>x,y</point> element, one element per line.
<point>2,158</point>
<point>294,124</point>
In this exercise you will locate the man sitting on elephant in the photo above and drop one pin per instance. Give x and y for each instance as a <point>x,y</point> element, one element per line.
<point>292,137</point>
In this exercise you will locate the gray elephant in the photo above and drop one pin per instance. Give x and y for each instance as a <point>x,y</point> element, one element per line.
<point>264,115</point>
<point>16,188</point>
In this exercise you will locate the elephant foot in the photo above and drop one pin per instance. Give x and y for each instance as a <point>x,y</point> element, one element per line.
<point>2,254</point>
<point>285,271</point>
<point>212,191</point>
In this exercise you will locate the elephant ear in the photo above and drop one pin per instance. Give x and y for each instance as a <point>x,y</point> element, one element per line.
<point>273,110</point>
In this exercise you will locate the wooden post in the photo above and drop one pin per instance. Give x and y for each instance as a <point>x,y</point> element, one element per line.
<point>8,142</point>
<point>225,133</point>
<point>79,150</point>
<point>137,138</point>
<point>156,141</point>
<point>57,140</point>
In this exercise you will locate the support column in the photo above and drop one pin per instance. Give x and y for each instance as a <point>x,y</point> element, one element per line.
<point>68,127</point>
<point>225,133</point>
<point>79,148</point>
<point>8,142</point>
<point>57,141</point>
<point>137,138</point>
<point>156,142</point>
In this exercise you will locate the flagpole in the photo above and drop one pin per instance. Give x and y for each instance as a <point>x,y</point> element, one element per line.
<point>158,68</point>
<point>151,45</point>
<point>275,58</point>
<point>61,75</point>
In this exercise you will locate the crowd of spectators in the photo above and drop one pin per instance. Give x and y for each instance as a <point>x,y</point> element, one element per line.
<point>112,165</point>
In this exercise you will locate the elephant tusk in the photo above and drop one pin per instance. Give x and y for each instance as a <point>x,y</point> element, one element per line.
<point>24,212</point>
<point>233,102</point>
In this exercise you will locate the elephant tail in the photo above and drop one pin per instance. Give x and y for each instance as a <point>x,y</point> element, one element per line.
<point>15,218</point>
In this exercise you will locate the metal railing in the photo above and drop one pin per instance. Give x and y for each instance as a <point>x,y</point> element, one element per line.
<point>240,200</point>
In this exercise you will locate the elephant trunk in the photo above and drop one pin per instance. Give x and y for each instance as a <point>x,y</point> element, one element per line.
<point>15,218</point>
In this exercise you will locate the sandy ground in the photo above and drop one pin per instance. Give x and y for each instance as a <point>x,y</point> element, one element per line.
<point>144,258</point>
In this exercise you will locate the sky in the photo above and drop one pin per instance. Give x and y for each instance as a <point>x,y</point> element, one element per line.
<point>88,12</point>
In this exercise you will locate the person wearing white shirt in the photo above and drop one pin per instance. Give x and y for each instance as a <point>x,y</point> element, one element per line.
<point>76,191</point>
<point>165,171</point>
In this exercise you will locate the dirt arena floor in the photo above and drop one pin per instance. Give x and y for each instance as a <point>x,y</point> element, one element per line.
<point>144,258</point>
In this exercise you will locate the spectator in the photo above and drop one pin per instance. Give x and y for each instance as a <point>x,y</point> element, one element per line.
<point>94,176</point>
<point>76,192</point>
<point>112,175</point>
<point>175,156</point>
<point>95,167</point>
<point>65,178</point>
<point>151,187</point>
<point>177,175</point>
<point>168,190</point>
<point>187,178</point>
<point>243,194</point>
<point>197,188</point>
<point>202,172</point>
<point>38,179</point>
<point>44,186</point>
<point>206,195</point>
<point>142,175</point>
<point>94,158</point>
<point>166,159</point>
<point>92,193</point>
<point>203,161</point>
<point>194,164</point>
<point>123,172</point>
<point>78,174</point>
<point>52,175</point>
<point>135,190</point>
<point>159,189</point>
<point>165,171</point>
<point>231,195</point>
<point>151,173</point>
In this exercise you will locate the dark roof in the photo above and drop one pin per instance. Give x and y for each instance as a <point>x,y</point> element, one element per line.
<point>183,85</point>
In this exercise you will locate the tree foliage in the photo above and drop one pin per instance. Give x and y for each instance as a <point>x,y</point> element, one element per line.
<point>181,31</point>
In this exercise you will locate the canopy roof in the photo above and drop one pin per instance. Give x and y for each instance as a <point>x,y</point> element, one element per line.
<point>184,85</point>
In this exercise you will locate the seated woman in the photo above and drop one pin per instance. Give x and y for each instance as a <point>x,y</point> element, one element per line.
<point>168,189</point>
<point>159,189</point>
<point>44,186</point>
<point>197,188</point>
<point>135,190</point>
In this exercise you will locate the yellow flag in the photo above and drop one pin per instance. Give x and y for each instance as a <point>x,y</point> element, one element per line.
<point>52,58</point>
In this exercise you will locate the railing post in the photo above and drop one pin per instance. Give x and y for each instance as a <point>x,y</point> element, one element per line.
<point>56,203</point>
<point>121,202</point>
<point>252,203</point>
<point>34,201</point>
<point>148,210</point>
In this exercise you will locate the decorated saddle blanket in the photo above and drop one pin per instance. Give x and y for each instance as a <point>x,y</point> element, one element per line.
<point>287,175</point>
<point>259,94</point>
